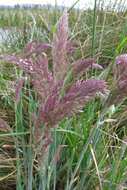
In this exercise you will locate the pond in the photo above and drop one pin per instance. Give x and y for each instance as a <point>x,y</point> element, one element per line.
<point>4,34</point>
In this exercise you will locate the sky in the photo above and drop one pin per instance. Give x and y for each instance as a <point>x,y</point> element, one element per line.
<point>81,4</point>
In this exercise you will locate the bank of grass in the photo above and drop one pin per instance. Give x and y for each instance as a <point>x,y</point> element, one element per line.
<point>94,154</point>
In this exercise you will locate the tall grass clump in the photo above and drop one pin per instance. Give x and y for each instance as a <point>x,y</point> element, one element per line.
<point>64,127</point>
<point>59,92</point>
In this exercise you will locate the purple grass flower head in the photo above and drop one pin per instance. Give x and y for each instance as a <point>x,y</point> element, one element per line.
<point>35,47</point>
<point>41,77</point>
<point>79,67</point>
<point>59,48</point>
<point>50,103</point>
<point>72,102</point>
<point>120,72</point>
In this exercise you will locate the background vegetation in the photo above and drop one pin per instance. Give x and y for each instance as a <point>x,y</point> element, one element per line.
<point>92,145</point>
